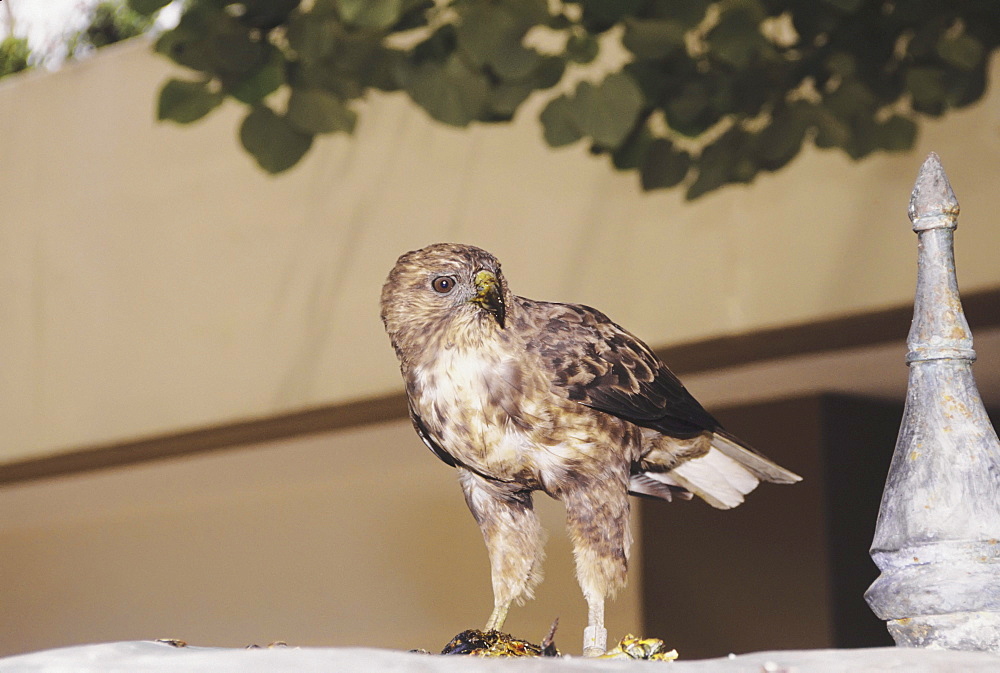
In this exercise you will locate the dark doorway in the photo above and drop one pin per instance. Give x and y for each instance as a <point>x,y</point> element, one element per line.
<point>788,568</point>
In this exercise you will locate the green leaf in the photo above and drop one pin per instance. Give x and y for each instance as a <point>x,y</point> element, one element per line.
<point>486,29</point>
<point>261,83</point>
<point>896,134</point>
<point>687,107</point>
<point>272,141</point>
<point>688,13</point>
<point>147,7</point>
<point>863,138</point>
<point>607,111</point>
<point>831,130</point>
<point>549,72</point>
<point>722,162</point>
<point>316,111</point>
<point>450,92</point>
<point>529,12</point>
<point>923,44</point>
<point>964,51</point>
<point>514,63</point>
<point>234,51</point>
<point>736,40</point>
<point>266,14</point>
<point>813,19</point>
<point>582,47</point>
<point>782,139</point>
<point>506,97</point>
<point>186,44</point>
<point>664,166</point>
<point>372,14</point>
<point>184,102</point>
<point>653,38</point>
<point>559,22</point>
<point>631,153</point>
<point>343,85</point>
<point>559,122</point>
<point>927,86</point>
<point>967,87</point>
<point>842,63</point>
<point>851,98</point>
<point>599,15</point>
<point>14,54</point>
<point>209,40</point>
<point>491,35</point>
<point>414,15</point>
<point>438,46</point>
<point>312,37</point>
<point>846,6</point>
<point>384,70</point>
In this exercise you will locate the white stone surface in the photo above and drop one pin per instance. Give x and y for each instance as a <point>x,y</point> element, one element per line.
<point>151,657</point>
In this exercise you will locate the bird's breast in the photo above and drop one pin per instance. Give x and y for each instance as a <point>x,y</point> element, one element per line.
<point>475,404</point>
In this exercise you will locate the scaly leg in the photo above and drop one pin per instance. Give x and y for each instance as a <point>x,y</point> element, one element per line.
<point>595,636</point>
<point>498,616</point>
<point>597,516</point>
<point>514,539</point>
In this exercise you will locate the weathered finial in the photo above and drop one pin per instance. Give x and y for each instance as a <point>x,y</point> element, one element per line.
<point>939,329</point>
<point>933,203</point>
<point>937,541</point>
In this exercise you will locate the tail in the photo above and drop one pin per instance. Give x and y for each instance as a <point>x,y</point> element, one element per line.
<point>721,477</point>
<point>763,468</point>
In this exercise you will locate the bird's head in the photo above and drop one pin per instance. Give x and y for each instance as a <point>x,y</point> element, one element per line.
<point>444,289</point>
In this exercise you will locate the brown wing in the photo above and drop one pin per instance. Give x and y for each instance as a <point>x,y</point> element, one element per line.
<point>603,366</point>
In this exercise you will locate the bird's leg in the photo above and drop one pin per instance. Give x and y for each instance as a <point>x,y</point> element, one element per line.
<point>597,517</point>
<point>595,636</point>
<point>514,539</point>
<point>498,616</point>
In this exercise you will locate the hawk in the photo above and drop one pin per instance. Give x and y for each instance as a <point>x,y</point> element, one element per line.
<point>522,396</point>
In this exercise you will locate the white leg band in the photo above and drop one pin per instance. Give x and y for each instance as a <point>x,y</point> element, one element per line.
<point>595,641</point>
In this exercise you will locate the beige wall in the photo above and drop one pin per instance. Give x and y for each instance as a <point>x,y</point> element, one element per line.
<point>153,280</point>
<point>359,537</point>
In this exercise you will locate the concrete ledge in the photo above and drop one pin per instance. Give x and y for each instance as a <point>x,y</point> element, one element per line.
<point>153,657</point>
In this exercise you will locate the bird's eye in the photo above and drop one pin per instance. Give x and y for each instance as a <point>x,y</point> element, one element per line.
<point>443,284</point>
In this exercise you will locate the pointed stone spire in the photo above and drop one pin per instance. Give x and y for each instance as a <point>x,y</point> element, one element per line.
<point>937,541</point>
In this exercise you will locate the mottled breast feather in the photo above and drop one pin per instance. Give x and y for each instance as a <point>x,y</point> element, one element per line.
<point>599,364</point>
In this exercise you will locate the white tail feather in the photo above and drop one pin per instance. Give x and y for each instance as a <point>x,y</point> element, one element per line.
<point>764,469</point>
<point>715,478</point>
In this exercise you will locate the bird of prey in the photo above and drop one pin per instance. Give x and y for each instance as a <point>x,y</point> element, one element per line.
<point>522,396</point>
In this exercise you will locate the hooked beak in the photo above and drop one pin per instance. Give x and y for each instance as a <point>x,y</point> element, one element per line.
<point>489,296</point>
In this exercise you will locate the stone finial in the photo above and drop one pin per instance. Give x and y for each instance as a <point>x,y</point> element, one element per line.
<point>939,329</point>
<point>937,541</point>
<point>932,202</point>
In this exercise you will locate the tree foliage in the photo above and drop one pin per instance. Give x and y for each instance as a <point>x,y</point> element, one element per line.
<point>712,92</point>
<point>14,55</point>
<point>108,22</point>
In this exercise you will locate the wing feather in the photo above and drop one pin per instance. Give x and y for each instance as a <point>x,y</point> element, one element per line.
<point>603,366</point>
